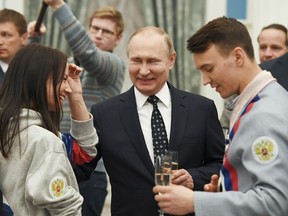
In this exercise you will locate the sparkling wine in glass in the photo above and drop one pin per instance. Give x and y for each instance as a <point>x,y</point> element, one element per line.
<point>163,173</point>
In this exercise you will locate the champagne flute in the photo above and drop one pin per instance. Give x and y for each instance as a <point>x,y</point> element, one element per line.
<point>174,160</point>
<point>163,173</point>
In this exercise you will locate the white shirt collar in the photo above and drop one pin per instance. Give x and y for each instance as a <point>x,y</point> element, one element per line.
<point>163,95</point>
<point>4,66</point>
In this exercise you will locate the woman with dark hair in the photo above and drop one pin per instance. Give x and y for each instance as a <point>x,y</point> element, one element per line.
<point>36,174</point>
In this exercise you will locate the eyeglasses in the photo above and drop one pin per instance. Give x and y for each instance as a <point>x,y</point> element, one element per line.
<point>105,32</point>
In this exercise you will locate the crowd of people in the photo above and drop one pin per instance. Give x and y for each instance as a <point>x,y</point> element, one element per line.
<point>53,149</point>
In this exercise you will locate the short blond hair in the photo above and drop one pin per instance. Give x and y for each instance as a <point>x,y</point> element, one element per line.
<point>112,14</point>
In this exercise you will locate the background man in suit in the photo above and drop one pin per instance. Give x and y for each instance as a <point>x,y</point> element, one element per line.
<point>274,38</point>
<point>124,126</point>
<point>223,52</point>
<point>13,36</point>
<point>272,42</point>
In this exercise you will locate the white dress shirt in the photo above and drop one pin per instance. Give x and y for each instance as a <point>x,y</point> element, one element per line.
<point>145,109</point>
<point>4,66</point>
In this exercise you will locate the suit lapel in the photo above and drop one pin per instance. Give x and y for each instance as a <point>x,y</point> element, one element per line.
<point>130,119</point>
<point>179,117</point>
<point>2,75</point>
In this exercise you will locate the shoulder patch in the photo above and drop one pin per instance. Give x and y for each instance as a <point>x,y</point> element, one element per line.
<point>57,186</point>
<point>264,150</point>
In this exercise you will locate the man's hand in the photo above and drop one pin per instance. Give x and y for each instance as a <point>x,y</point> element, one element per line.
<point>55,4</point>
<point>31,29</point>
<point>175,199</point>
<point>213,185</point>
<point>182,177</point>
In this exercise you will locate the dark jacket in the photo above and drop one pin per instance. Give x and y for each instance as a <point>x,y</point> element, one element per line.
<point>278,68</point>
<point>195,133</point>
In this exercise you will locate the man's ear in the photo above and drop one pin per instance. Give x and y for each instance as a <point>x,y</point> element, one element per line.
<point>24,39</point>
<point>239,55</point>
<point>172,60</point>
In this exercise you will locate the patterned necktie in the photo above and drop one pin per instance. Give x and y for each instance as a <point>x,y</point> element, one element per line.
<point>159,135</point>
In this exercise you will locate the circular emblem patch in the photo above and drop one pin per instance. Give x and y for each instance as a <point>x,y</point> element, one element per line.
<point>264,150</point>
<point>57,186</point>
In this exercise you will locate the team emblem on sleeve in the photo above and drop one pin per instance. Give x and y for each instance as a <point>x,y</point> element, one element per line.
<point>264,150</point>
<point>57,186</point>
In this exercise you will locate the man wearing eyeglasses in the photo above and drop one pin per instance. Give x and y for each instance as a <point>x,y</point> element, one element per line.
<point>102,78</point>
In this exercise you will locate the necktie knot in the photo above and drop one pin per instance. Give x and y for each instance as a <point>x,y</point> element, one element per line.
<point>153,99</point>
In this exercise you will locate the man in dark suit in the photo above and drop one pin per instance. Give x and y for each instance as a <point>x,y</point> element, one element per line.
<point>278,68</point>
<point>13,36</point>
<point>123,124</point>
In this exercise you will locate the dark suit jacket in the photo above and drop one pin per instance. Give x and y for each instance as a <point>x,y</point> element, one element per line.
<point>2,75</point>
<point>279,69</point>
<point>1,201</point>
<point>195,133</point>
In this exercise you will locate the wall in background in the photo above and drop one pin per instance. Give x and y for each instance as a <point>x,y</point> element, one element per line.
<point>17,5</point>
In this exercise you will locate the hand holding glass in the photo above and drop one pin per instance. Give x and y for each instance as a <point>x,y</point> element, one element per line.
<point>163,172</point>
